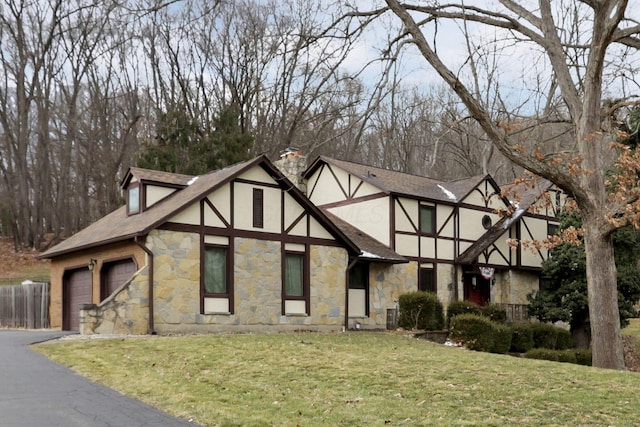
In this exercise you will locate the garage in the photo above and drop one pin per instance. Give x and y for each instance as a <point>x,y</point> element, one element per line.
<point>76,291</point>
<point>114,274</point>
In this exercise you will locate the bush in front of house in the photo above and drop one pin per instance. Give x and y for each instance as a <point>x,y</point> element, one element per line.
<point>564,339</point>
<point>576,356</point>
<point>545,335</point>
<point>521,337</point>
<point>502,336</point>
<point>583,356</point>
<point>456,308</point>
<point>474,331</point>
<point>542,354</point>
<point>421,310</point>
<point>494,312</point>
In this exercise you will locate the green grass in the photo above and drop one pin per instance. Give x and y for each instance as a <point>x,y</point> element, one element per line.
<point>349,379</point>
<point>633,329</point>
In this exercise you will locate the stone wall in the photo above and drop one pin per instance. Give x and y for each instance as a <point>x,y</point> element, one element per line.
<point>513,286</point>
<point>386,283</point>
<point>446,283</point>
<point>125,311</point>
<point>257,287</point>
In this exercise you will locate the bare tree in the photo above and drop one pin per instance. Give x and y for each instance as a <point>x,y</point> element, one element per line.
<point>575,42</point>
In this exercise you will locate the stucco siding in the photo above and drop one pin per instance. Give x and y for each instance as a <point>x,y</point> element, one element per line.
<point>371,216</point>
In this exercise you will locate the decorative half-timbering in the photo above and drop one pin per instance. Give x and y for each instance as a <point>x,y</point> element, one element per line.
<point>456,233</point>
<point>244,249</point>
<point>239,248</point>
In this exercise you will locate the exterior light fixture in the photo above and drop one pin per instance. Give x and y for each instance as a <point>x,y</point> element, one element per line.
<point>92,264</point>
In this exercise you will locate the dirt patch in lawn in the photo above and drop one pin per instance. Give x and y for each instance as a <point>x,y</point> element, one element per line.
<point>18,266</point>
<point>631,347</point>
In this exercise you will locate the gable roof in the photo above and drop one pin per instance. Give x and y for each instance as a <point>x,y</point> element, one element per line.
<point>118,226</point>
<point>148,175</point>
<point>528,194</point>
<point>401,183</point>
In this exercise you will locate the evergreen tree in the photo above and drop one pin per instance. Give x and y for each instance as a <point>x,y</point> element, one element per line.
<point>564,298</point>
<point>183,145</point>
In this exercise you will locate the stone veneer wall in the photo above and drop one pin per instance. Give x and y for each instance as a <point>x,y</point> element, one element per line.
<point>126,311</point>
<point>386,283</point>
<point>446,283</point>
<point>257,287</point>
<point>513,286</point>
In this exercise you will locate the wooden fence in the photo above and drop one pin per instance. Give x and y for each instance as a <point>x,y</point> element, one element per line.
<point>516,312</point>
<point>25,306</point>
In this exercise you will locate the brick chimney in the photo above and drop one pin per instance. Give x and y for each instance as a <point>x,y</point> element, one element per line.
<point>292,163</point>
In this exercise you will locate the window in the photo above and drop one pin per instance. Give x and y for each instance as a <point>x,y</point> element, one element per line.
<point>294,275</point>
<point>215,271</point>
<point>427,219</point>
<point>258,208</point>
<point>359,276</point>
<point>552,229</point>
<point>359,290</point>
<point>133,205</point>
<point>427,280</point>
<point>486,222</point>
<point>295,283</point>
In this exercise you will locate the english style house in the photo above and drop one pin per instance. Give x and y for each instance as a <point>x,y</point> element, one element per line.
<point>259,246</point>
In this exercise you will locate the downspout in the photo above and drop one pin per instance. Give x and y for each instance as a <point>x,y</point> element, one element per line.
<point>346,293</point>
<point>150,325</point>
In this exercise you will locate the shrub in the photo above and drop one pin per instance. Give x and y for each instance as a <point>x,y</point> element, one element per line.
<point>474,331</point>
<point>521,337</point>
<point>502,336</point>
<point>545,335</point>
<point>456,308</point>
<point>564,339</point>
<point>420,310</point>
<point>583,357</point>
<point>495,313</point>
<point>542,354</point>
<point>567,356</point>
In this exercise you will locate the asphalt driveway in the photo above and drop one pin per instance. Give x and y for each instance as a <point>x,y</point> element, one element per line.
<point>35,391</point>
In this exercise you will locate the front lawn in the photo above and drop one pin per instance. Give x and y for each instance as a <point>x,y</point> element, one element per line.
<point>347,379</point>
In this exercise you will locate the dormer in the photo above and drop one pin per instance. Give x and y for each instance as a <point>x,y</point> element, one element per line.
<point>143,188</point>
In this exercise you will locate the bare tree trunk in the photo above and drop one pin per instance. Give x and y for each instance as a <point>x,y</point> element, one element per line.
<point>606,343</point>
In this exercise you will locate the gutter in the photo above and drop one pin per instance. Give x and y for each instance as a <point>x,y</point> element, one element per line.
<point>150,325</point>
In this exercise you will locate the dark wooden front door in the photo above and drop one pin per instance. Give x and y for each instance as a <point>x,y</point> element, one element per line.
<point>477,289</point>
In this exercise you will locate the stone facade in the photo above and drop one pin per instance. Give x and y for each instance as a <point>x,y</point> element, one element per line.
<point>126,311</point>
<point>512,287</point>
<point>386,283</point>
<point>257,287</point>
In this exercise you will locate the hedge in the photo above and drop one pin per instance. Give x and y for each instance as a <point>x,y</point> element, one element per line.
<point>421,310</point>
<point>494,312</point>
<point>502,338</point>
<point>479,333</point>
<point>456,308</point>
<point>521,338</point>
<point>580,356</point>
<point>545,335</point>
